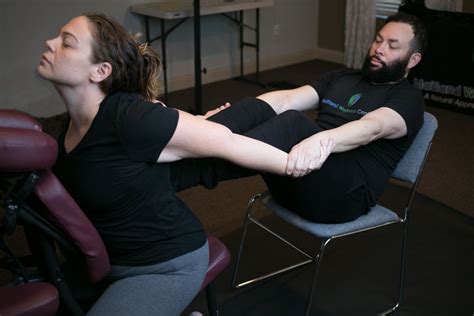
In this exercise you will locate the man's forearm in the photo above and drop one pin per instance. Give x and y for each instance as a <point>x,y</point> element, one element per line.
<point>351,135</point>
<point>381,123</point>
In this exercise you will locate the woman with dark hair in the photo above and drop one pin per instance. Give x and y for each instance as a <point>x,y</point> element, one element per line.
<point>117,156</point>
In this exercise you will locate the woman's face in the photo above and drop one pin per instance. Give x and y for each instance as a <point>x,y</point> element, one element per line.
<point>67,60</point>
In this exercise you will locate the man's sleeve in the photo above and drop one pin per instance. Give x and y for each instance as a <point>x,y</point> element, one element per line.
<point>408,102</point>
<point>146,128</point>
<point>321,85</point>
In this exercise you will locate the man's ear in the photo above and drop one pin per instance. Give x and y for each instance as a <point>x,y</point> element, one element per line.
<point>101,72</point>
<point>414,60</point>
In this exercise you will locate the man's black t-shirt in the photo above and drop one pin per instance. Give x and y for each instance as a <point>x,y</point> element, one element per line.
<point>113,175</point>
<point>346,96</point>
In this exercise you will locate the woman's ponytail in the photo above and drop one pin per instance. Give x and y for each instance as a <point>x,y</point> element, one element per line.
<point>151,72</point>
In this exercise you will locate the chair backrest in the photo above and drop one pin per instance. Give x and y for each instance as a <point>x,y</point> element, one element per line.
<point>409,168</point>
<point>24,148</point>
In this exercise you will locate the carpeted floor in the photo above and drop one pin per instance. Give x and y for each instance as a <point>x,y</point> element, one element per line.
<point>359,274</point>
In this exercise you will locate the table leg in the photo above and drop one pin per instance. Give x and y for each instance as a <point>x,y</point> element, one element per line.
<point>164,58</point>
<point>241,36</point>
<point>197,58</point>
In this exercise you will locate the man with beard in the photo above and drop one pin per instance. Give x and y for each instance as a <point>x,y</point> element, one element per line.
<point>370,116</point>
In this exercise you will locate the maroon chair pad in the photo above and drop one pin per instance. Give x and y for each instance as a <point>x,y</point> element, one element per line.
<point>23,145</point>
<point>64,212</point>
<point>219,259</point>
<point>26,150</point>
<point>29,299</point>
<point>18,119</point>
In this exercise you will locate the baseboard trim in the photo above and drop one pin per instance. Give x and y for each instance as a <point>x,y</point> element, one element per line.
<point>330,55</point>
<point>223,73</point>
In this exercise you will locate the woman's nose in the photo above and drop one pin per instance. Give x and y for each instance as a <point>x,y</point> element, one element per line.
<point>50,45</point>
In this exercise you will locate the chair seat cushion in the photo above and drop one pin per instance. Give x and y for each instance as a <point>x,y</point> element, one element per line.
<point>378,215</point>
<point>35,299</point>
<point>219,259</point>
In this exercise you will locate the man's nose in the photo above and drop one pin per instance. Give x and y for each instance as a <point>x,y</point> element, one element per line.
<point>380,49</point>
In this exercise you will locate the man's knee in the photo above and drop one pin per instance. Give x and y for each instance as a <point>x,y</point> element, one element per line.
<point>293,115</point>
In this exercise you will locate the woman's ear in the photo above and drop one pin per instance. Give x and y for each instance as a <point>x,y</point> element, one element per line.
<point>101,72</point>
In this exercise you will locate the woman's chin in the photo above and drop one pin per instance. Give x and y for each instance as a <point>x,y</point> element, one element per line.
<point>42,71</point>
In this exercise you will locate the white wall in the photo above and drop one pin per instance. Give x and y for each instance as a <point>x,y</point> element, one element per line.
<point>26,24</point>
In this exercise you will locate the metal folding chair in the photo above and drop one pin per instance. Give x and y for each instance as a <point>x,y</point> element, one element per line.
<point>408,170</point>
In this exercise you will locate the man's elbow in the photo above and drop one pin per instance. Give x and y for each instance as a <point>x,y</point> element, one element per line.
<point>374,131</point>
<point>396,132</point>
<point>388,132</point>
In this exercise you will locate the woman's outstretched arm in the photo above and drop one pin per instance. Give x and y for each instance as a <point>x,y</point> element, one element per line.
<point>195,137</point>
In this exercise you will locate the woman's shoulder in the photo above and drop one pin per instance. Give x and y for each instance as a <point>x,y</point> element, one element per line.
<point>122,105</point>
<point>130,110</point>
<point>121,100</point>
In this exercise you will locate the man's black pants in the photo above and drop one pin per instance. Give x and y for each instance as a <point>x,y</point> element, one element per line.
<point>336,193</point>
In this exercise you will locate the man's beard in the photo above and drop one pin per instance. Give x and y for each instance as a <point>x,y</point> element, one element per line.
<point>392,72</point>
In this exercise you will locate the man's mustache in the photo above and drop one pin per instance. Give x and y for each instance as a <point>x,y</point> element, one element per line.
<point>377,58</point>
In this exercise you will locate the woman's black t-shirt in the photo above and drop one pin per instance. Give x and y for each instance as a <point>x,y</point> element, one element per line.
<point>113,175</point>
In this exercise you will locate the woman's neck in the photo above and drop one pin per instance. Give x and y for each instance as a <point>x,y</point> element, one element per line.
<point>82,105</point>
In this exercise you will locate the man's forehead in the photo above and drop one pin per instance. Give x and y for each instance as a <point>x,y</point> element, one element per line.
<point>396,31</point>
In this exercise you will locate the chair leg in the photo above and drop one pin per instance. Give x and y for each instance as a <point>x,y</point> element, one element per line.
<point>50,265</point>
<point>257,223</point>
<point>212,305</point>
<point>318,259</point>
<point>401,283</point>
<point>242,239</point>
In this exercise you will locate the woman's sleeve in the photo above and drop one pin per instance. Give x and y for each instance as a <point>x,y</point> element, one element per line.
<point>145,129</point>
